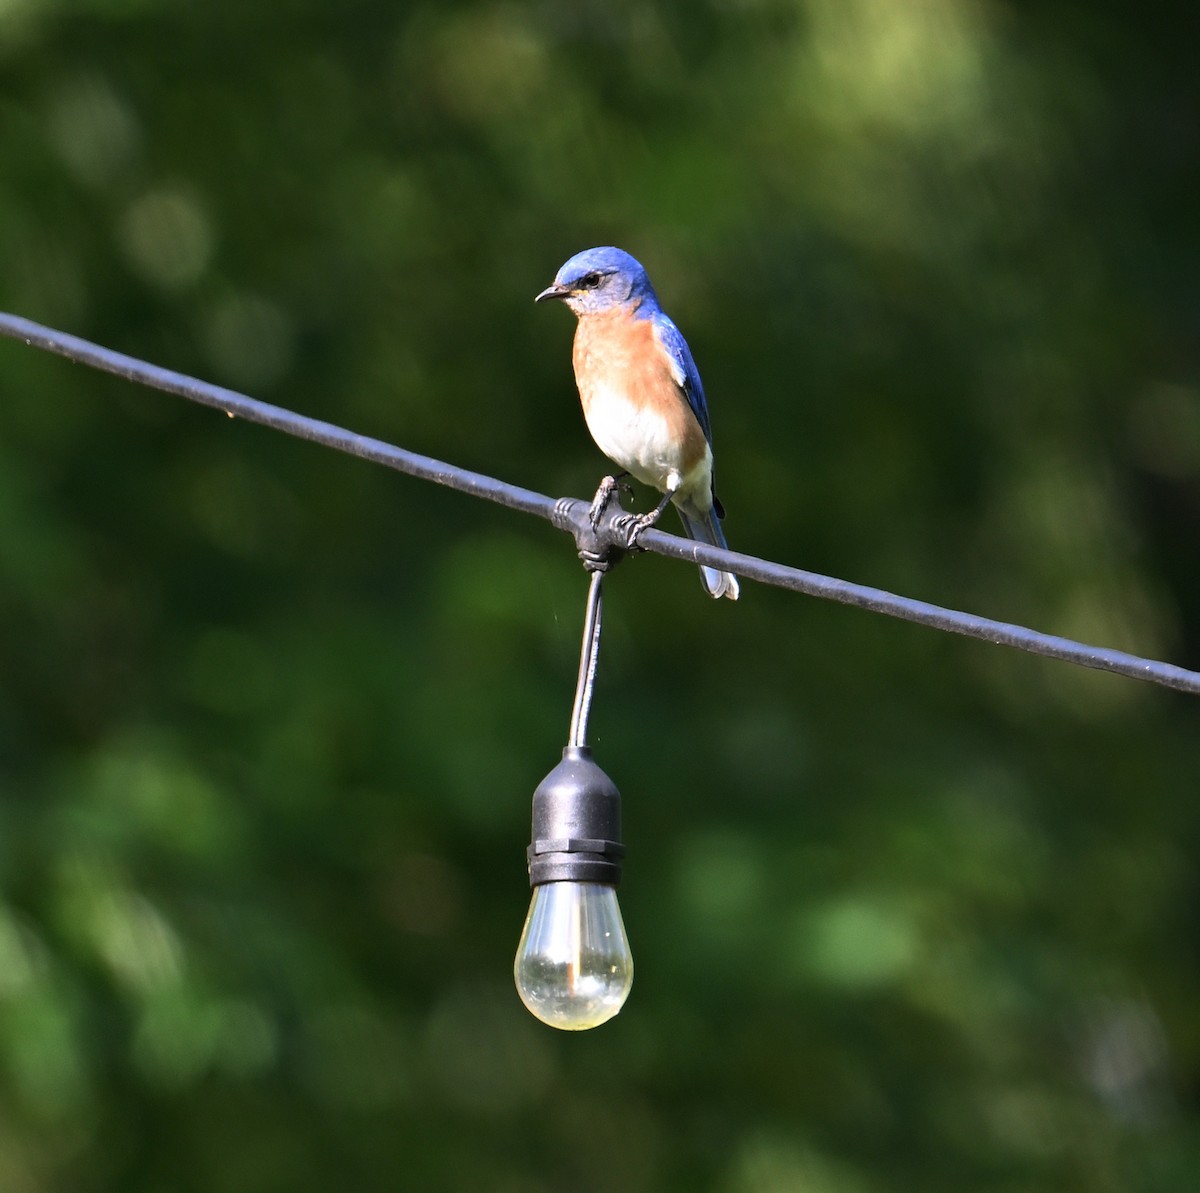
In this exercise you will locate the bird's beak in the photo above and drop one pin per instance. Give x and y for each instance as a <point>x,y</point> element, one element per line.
<point>555,291</point>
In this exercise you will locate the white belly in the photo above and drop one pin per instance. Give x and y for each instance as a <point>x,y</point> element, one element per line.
<point>643,442</point>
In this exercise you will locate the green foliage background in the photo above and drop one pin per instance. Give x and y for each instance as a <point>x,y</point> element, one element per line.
<point>909,912</point>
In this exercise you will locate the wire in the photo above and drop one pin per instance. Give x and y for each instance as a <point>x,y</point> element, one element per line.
<point>240,406</point>
<point>572,514</point>
<point>589,659</point>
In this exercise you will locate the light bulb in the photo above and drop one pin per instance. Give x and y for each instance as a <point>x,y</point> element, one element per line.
<point>574,968</point>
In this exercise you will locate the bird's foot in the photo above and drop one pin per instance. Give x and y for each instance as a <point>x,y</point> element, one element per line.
<point>632,526</point>
<point>604,494</point>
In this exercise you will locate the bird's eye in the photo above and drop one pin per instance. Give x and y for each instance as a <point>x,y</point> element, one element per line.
<point>590,281</point>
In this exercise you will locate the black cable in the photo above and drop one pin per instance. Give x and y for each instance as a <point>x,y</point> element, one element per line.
<point>252,410</point>
<point>589,660</point>
<point>572,514</point>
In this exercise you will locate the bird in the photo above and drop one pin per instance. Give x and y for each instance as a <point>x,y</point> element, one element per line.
<point>641,394</point>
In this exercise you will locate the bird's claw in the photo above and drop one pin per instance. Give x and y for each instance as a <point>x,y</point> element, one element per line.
<point>604,494</point>
<point>632,526</point>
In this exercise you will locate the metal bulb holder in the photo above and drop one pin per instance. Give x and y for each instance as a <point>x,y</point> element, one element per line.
<point>574,968</point>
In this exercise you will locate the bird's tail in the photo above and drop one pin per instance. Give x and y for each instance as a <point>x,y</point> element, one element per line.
<point>706,528</point>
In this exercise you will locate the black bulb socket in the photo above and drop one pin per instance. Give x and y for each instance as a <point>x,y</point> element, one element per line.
<point>576,824</point>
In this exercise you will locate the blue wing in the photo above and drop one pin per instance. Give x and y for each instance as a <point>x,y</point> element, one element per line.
<point>683,367</point>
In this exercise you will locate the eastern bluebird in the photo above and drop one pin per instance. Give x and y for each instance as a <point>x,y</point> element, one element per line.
<point>641,393</point>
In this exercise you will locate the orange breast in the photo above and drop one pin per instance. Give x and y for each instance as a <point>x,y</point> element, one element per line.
<point>620,364</point>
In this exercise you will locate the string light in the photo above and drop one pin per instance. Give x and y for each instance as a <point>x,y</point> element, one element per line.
<point>574,968</point>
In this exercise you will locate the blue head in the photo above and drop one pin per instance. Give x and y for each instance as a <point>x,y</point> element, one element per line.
<point>600,280</point>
